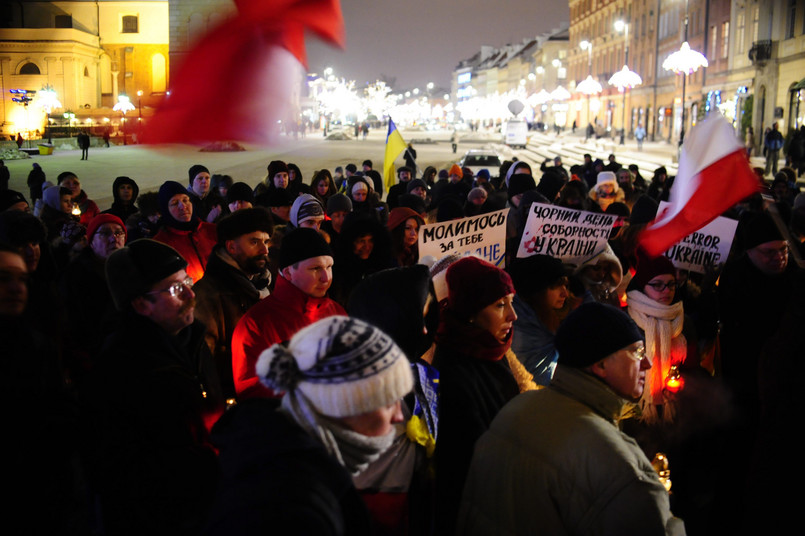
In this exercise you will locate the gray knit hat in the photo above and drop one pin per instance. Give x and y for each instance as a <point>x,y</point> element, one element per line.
<point>304,207</point>
<point>338,203</point>
<point>343,365</point>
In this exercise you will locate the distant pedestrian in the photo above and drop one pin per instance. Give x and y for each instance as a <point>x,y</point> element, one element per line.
<point>19,140</point>
<point>83,144</point>
<point>773,143</point>
<point>410,158</point>
<point>749,141</point>
<point>106,136</point>
<point>640,135</point>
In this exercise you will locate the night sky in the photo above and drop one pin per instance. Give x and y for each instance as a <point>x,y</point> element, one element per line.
<point>421,41</point>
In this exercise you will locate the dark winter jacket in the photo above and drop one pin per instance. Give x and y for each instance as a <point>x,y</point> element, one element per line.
<point>276,479</point>
<point>223,296</point>
<point>152,399</point>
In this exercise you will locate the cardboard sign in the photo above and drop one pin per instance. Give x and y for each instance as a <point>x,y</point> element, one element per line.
<point>484,236</point>
<point>709,245</point>
<point>573,236</point>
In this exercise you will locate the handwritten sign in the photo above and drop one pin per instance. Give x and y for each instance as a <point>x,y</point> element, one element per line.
<point>709,245</point>
<point>573,236</point>
<point>484,236</point>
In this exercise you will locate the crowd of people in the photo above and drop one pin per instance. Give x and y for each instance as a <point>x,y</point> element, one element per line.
<point>217,357</point>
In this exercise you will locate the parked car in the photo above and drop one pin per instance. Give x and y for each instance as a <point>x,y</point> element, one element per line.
<point>478,159</point>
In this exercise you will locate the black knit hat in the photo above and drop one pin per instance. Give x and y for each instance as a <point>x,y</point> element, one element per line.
<point>521,182</point>
<point>367,163</point>
<point>166,193</point>
<point>592,332</point>
<point>550,184</point>
<point>132,271</point>
<point>352,168</point>
<point>19,228</point>
<point>338,203</point>
<point>535,273</point>
<point>9,198</point>
<point>244,221</point>
<point>643,211</point>
<point>276,166</point>
<point>301,244</point>
<point>195,170</point>
<point>759,230</point>
<point>279,197</point>
<point>240,191</point>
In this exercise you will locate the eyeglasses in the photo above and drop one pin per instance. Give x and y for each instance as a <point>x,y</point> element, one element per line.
<point>638,355</point>
<point>659,286</point>
<point>606,194</point>
<point>176,289</point>
<point>107,234</point>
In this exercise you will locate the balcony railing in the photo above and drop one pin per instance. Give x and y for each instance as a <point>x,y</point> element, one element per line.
<point>760,51</point>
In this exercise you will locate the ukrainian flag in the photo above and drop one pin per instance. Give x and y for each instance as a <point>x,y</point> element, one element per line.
<point>394,146</point>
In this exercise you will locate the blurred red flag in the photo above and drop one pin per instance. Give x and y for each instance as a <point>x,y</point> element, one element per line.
<point>236,82</point>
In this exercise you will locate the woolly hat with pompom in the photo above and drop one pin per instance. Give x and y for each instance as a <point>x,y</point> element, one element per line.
<point>343,366</point>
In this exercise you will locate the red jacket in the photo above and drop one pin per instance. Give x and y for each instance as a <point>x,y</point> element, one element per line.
<point>194,246</point>
<point>274,319</point>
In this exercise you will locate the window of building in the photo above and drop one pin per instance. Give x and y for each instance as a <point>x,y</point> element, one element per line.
<point>755,22</point>
<point>29,68</point>
<point>725,39</point>
<point>86,72</point>
<point>130,24</point>
<point>63,21</point>
<point>713,41</point>
<point>740,34</point>
<point>792,18</point>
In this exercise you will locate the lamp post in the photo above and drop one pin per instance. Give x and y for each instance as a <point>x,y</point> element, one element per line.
<point>588,86</point>
<point>70,116</point>
<point>48,100</point>
<point>140,105</point>
<point>685,62</point>
<point>623,26</point>
<point>123,105</point>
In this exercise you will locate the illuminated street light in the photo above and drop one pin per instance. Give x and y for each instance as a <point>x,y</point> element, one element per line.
<point>685,62</point>
<point>624,79</point>
<point>123,105</point>
<point>588,86</point>
<point>560,94</point>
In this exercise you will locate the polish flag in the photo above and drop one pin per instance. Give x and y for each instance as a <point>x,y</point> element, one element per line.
<point>237,82</point>
<point>714,174</point>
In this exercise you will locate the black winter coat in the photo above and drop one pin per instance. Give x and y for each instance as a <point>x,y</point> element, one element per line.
<point>151,399</point>
<point>277,479</point>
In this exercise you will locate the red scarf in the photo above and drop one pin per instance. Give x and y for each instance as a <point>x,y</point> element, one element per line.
<point>468,339</point>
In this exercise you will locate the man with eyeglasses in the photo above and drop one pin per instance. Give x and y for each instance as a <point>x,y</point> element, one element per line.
<point>753,295</point>
<point>555,460</point>
<point>153,397</point>
<point>90,313</point>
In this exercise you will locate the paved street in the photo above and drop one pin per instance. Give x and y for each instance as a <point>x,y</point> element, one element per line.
<point>150,166</point>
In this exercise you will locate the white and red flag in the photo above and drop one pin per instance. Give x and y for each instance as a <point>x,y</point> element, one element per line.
<point>713,175</point>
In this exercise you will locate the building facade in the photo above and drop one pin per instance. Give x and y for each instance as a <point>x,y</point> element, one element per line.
<point>89,53</point>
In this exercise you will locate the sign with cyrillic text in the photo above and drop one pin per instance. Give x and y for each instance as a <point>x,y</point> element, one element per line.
<point>573,236</point>
<point>484,236</point>
<point>710,245</point>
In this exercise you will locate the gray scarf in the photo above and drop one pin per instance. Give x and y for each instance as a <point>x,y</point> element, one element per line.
<point>354,451</point>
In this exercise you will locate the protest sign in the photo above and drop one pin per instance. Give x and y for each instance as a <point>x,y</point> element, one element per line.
<point>484,236</point>
<point>709,245</point>
<point>573,236</point>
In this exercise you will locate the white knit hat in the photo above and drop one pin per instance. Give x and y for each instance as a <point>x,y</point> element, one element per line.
<point>343,366</point>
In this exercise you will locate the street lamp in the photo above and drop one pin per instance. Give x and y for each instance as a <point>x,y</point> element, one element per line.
<point>685,62</point>
<point>48,100</point>
<point>123,105</point>
<point>70,116</point>
<point>623,77</point>
<point>588,86</point>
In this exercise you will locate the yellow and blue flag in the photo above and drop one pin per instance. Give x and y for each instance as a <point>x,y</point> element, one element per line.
<point>394,146</point>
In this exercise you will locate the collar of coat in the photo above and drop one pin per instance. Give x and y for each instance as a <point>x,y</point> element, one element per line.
<point>592,392</point>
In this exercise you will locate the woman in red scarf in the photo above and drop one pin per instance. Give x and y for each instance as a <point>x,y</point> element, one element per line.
<point>475,380</point>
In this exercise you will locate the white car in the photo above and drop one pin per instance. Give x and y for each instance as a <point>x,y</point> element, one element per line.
<point>478,159</point>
